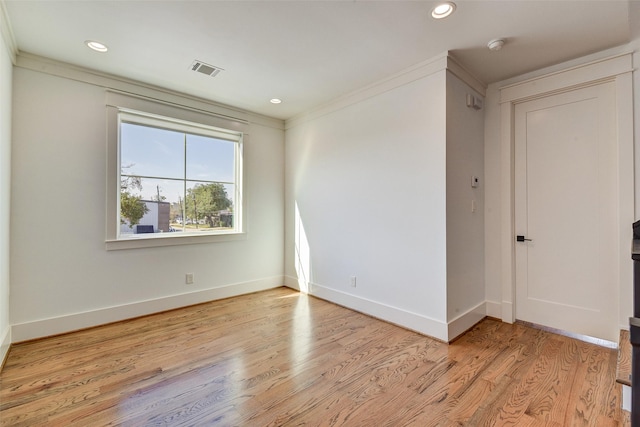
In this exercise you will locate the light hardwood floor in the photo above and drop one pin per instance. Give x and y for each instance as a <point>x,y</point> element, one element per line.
<point>279,358</point>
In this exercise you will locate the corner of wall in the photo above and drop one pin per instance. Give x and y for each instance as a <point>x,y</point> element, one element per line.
<point>5,344</point>
<point>465,227</point>
<point>494,309</point>
<point>403,318</point>
<point>466,321</point>
<point>465,75</point>
<point>492,202</point>
<point>8,52</point>
<point>292,282</point>
<point>7,32</point>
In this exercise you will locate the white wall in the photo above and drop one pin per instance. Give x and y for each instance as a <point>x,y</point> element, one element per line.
<point>465,229</point>
<point>365,196</point>
<point>60,269</point>
<point>492,202</point>
<point>6,70</point>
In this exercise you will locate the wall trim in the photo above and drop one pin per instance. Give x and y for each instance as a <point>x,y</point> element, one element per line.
<point>494,309</point>
<point>618,69</point>
<point>73,322</point>
<point>466,76</point>
<point>507,312</point>
<point>7,32</point>
<point>108,81</point>
<point>560,81</point>
<point>117,98</point>
<point>5,345</point>
<point>626,398</point>
<point>466,321</point>
<point>416,322</point>
<point>444,61</point>
<point>626,191</point>
<point>411,74</point>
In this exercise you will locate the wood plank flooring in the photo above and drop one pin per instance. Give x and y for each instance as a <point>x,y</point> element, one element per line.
<point>623,373</point>
<point>279,358</point>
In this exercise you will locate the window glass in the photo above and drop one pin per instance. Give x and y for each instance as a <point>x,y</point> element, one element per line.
<point>175,178</point>
<point>200,150</point>
<point>148,151</point>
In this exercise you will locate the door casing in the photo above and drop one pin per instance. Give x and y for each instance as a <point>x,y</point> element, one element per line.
<point>617,69</point>
<point>566,200</point>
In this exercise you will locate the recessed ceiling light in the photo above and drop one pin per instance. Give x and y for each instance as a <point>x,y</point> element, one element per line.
<point>495,44</point>
<point>276,101</point>
<point>442,10</point>
<point>97,46</point>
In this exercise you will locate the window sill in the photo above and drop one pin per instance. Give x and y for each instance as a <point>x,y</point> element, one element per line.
<point>171,239</point>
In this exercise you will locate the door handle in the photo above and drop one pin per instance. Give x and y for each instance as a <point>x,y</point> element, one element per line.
<point>523,239</point>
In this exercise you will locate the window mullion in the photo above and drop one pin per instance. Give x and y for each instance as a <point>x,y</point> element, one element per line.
<point>153,147</point>
<point>184,185</point>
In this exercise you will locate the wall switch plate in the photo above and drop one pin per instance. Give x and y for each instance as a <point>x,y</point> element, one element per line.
<point>352,281</point>
<point>188,279</point>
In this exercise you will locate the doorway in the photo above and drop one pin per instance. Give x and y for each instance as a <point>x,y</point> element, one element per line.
<point>561,135</point>
<point>566,211</point>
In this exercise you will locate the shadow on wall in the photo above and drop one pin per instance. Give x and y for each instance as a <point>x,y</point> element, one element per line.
<point>302,255</point>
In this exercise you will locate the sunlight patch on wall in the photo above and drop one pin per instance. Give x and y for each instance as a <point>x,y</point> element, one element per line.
<point>302,255</point>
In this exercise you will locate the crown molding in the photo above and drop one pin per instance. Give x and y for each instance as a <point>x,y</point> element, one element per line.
<point>465,75</point>
<point>442,62</point>
<point>7,32</point>
<point>578,75</point>
<point>122,84</point>
<point>406,76</point>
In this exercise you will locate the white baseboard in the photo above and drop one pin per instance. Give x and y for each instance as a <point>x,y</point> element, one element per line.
<point>466,321</point>
<point>291,282</point>
<point>416,322</point>
<point>72,322</point>
<point>494,309</point>
<point>506,312</point>
<point>5,343</point>
<point>626,398</point>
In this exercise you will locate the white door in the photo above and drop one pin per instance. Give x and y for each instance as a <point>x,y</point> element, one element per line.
<point>566,202</point>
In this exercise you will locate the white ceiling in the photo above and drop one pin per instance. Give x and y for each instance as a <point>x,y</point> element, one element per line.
<point>309,52</point>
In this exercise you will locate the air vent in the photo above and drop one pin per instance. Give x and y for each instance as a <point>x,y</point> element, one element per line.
<point>209,70</point>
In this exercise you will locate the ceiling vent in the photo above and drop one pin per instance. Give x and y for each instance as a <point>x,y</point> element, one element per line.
<point>209,70</point>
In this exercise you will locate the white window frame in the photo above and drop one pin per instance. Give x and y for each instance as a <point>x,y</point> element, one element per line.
<point>175,117</point>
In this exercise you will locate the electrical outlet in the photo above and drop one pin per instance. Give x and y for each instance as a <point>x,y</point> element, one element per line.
<point>188,279</point>
<point>352,281</point>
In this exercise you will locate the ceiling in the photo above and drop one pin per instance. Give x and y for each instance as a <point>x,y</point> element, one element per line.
<point>309,52</point>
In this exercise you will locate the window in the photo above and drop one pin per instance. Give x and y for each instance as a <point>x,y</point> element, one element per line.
<point>175,181</point>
